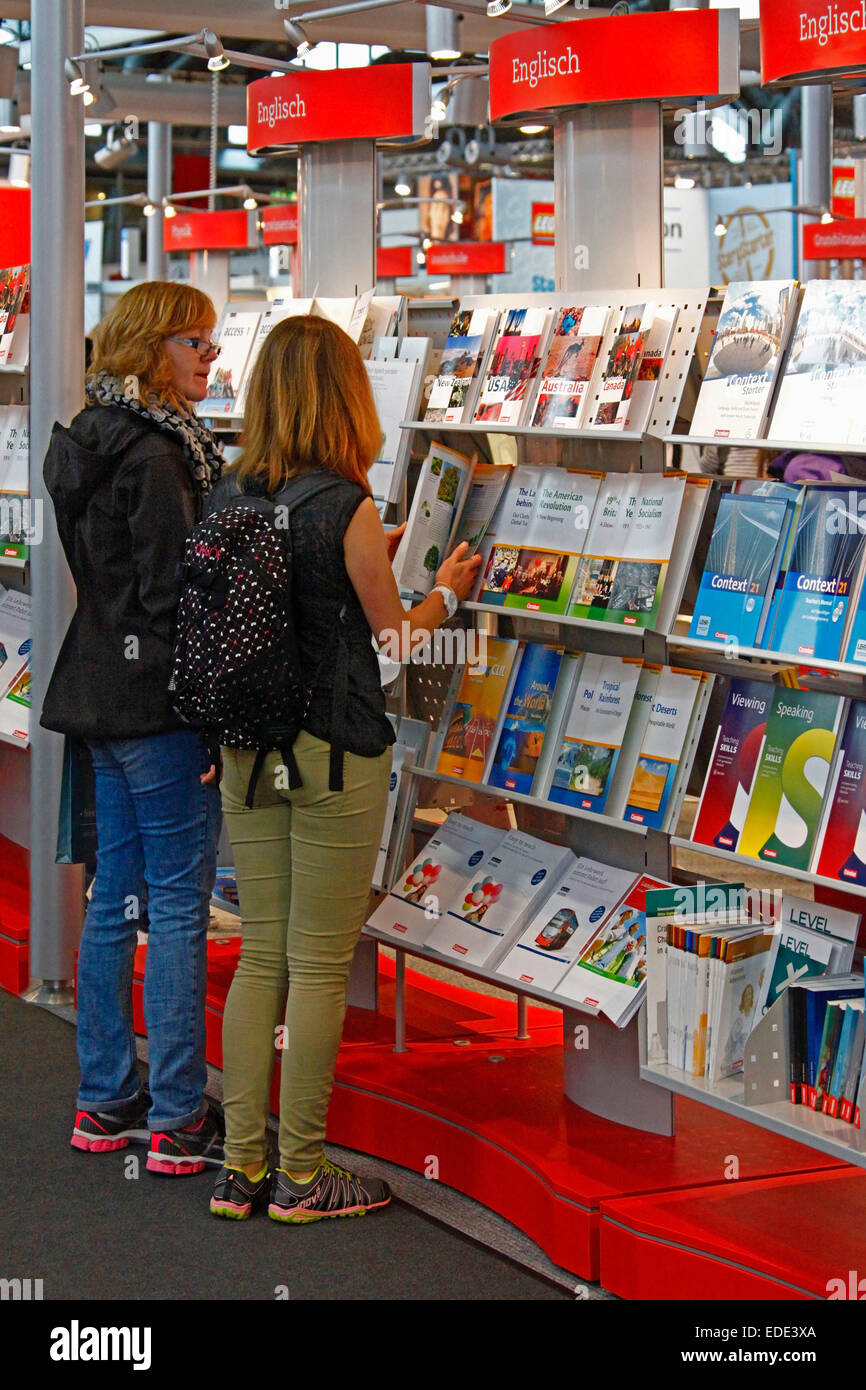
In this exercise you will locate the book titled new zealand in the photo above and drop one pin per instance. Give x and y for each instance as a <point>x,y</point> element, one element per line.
<point>827,552</point>
<point>525,725</point>
<point>725,795</point>
<point>461,361</point>
<point>793,770</point>
<point>513,362</point>
<point>740,569</point>
<point>570,366</point>
<point>841,843</point>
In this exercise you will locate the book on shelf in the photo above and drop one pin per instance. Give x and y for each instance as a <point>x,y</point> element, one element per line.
<point>848,1047</point>
<point>512,366</point>
<point>840,846</point>
<point>534,541</point>
<point>279,309</point>
<point>16,527</point>
<point>15,449</point>
<point>15,316</point>
<point>411,747</point>
<point>609,976</point>
<point>521,737</point>
<point>821,1049</point>
<point>567,922</point>
<point>737,967</point>
<point>731,770</point>
<point>493,904</point>
<point>439,494</point>
<point>235,335</point>
<point>811,1043</point>
<point>588,742</point>
<point>384,317</point>
<point>750,339</point>
<point>15,709</point>
<point>607,409</point>
<point>650,797</point>
<point>657,345</point>
<point>791,779</point>
<point>810,939</point>
<point>798,954</point>
<point>472,722</point>
<point>15,638</point>
<point>345,311</point>
<point>808,613</point>
<point>695,905</point>
<point>422,893</point>
<point>396,381</point>
<point>489,481</point>
<point>452,395</point>
<point>739,575</point>
<point>570,368</point>
<point>820,398</point>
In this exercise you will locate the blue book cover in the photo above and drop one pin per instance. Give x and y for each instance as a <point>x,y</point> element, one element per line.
<point>811,608</point>
<point>525,725</point>
<point>740,568</point>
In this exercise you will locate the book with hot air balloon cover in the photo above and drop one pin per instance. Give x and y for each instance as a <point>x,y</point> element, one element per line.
<point>728,783</point>
<point>420,896</point>
<point>493,904</point>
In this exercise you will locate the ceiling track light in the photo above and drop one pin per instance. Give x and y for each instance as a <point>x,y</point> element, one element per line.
<point>402,188</point>
<point>721,228</point>
<point>78,84</point>
<point>443,33</point>
<point>297,38</point>
<point>168,208</point>
<point>217,59</point>
<point>495,8</point>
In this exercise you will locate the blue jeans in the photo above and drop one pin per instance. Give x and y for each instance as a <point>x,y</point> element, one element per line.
<point>156,826</point>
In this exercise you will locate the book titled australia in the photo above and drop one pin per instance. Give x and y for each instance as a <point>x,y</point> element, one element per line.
<point>571,363</point>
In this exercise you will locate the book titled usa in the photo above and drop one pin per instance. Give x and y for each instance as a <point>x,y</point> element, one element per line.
<point>525,726</point>
<point>513,362</point>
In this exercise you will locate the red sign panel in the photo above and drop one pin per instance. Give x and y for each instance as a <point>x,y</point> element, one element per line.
<point>208,231</point>
<point>280,225</point>
<point>387,102</point>
<point>811,38</point>
<point>676,56</point>
<point>842,201</point>
<point>467,258</point>
<point>394,261</point>
<point>841,241</point>
<point>542,224</point>
<point>14,226</point>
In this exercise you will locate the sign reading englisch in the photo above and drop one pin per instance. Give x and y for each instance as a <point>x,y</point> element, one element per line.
<point>674,56</point>
<point>386,102</point>
<point>810,39</point>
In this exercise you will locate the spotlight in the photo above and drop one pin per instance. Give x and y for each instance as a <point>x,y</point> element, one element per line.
<point>438,109</point>
<point>115,151</point>
<point>420,257</point>
<point>402,188</point>
<point>250,203</point>
<point>148,209</point>
<point>297,38</point>
<point>720,228</point>
<point>532,129</point>
<point>88,97</point>
<point>168,209</point>
<point>457,214</point>
<point>101,194</point>
<point>443,33</point>
<point>78,84</point>
<point>827,217</point>
<point>495,8</point>
<point>683,183</point>
<point>10,119</point>
<point>426,243</point>
<point>216,58</point>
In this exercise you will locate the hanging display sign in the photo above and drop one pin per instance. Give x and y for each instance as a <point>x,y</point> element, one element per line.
<point>280,225</point>
<point>209,231</point>
<point>387,102</point>
<point>811,40</point>
<point>467,258</point>
<point>394,261</point>
<point>14,226</point>
<point>835,241</point>
<point>675,56</point>
<point>542,224</point>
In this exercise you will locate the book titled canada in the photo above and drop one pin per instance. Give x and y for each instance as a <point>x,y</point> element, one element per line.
<point>525,726</point>
<point>788,791</point>
<point>739,737</point>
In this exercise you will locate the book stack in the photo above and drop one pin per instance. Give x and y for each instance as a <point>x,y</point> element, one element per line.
<point>825,1045</point>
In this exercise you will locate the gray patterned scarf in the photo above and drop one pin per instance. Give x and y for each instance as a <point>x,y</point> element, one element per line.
<point>203,454</point>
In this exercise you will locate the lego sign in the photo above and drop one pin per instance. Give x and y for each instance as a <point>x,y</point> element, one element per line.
<point>542,224</point>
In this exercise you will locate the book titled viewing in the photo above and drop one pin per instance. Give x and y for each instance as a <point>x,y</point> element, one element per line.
<point>749,341</point>
<point>739,738</point>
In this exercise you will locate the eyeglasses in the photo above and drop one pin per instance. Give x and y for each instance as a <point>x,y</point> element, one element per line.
<point>203,346</point>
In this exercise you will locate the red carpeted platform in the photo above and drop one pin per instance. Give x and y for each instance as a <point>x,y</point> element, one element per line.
<point>14,917</point>
<point>791,1237</point>
<point>485,1114</point>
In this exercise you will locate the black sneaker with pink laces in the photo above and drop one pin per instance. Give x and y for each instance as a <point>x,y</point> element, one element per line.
<point>331,1191</point>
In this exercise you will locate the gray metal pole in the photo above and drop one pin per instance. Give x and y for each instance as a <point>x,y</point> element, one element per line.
<point>57,354</point>
<point>158,187</point>
<point>337,217</point>
<point>817,136</point>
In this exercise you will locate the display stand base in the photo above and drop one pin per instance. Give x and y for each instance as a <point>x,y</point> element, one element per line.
<point>14,917</point>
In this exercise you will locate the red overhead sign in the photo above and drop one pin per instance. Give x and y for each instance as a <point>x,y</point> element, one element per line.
<point>394,261</point>
<point>669,57</point>
<point>209,231</point>
<point>835,241</point>
<point>280,225</point>
<point>14,226</point>
<point>467,258</point>
<point>542,224</point>
<point>385,102</point>
<point>808,40</point>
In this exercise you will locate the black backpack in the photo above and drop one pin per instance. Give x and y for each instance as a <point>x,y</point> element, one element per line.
<point>237,674</point>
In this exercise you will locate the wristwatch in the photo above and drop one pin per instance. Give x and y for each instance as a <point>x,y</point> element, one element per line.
<point>449,598</point>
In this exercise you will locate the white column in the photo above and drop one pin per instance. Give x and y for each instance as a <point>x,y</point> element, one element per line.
<point>57,372</point>
<point>337,217</point>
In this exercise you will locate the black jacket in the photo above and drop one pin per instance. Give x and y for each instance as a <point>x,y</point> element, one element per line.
<point>125,502</point>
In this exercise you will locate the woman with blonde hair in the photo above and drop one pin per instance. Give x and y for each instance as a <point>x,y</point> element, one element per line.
<point>305,857</point>
<point>128,479</point>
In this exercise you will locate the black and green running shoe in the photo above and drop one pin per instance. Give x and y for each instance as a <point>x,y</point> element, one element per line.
<point>331,1191</point>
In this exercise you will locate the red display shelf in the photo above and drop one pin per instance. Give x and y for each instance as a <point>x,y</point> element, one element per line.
<point>14,917</point>
<point>784,1237</point>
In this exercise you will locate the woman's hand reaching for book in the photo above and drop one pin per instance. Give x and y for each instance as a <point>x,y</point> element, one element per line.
<point>459,571</point>
<point>392,541</point>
